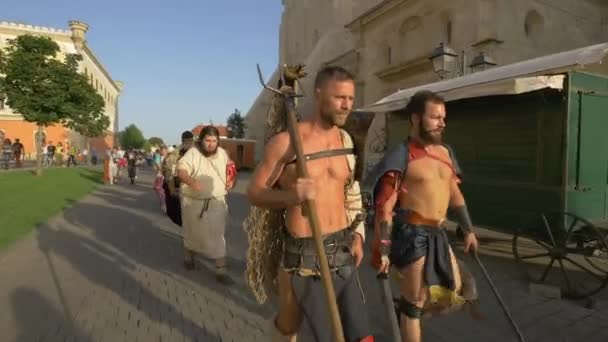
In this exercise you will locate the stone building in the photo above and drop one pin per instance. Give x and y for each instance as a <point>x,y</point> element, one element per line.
<point>387,43</point>
<point>13,126</point>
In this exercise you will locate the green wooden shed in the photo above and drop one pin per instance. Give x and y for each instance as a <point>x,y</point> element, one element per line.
<point>530,137</point>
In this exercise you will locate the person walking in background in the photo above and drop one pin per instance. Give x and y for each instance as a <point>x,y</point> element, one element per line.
<point>72,156</point>
<point>45,154</point>
<point>7,153</point>
<point>19,152</point>
<point>59,154</point>
<point>116,158</point>
<point>108,178</point>
<point>171,184</point>
<point>202,172</point>
<point>132,164</point>
<point>94,156</point>
<point>50,154</point>
<point>159,156</point>
<point>85,156</point>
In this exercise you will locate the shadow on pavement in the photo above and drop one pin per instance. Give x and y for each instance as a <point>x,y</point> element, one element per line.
<point>39,320</point>
<point>131,223</point>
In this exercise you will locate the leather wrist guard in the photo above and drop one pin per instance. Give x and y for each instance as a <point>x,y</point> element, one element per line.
<point>463,218</point>
<point>385,237</point>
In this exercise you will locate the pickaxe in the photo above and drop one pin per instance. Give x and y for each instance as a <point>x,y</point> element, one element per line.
<point>309,207</point>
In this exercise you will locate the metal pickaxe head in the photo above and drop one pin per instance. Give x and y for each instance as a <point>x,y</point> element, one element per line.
<point>285,91</point>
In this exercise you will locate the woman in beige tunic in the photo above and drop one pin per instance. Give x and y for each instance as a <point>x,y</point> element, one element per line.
<point>202,171</point>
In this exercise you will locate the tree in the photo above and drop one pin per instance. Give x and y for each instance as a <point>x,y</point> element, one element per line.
<point>47,90</point>
<point>147,146</point>
<point>132,137</point>
<point>156,141</point>
<point>88,119</point>
<point>236,125</point>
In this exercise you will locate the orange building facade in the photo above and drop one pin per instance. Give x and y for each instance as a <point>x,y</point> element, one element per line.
<point>12,125</point>
<point>26,133</point>
<point>241,151</point>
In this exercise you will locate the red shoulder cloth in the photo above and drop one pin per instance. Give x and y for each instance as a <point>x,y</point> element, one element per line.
<point>391,182</point>
<point>230,171</point>
<point>418,151</point>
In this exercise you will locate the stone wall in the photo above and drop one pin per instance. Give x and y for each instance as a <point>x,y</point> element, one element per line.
<point>392,39</point>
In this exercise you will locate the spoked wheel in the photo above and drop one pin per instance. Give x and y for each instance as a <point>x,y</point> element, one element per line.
<point>565,251</point>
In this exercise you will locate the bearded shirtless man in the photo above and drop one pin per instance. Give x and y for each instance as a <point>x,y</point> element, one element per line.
<point>420,178</point>
<point>275,184</point>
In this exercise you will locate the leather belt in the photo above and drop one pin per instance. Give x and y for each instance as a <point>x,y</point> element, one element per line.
<point>414,218</point>
<point>300,253</point>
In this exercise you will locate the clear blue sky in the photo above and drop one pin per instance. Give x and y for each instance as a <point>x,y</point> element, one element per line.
<point>182,62</point>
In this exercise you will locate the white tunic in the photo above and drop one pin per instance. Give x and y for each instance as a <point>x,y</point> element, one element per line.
<point>205,234</point>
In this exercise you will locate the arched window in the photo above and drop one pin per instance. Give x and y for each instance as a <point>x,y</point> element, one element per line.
<point>446,26</point>
<point>533,25</point>
<point>410,24</point>
<point>384,52</point>
<point>411,41</point>
<point>448,31</point>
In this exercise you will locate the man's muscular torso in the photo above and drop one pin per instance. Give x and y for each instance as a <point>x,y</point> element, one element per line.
<point>428,183</point>
<point>330,176</point>
<point>426,188</point>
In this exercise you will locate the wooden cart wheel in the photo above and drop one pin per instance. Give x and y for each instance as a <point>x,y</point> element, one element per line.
<point>565,251</point>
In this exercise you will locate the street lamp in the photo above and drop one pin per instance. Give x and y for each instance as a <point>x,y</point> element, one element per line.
<point>444,60</point>
<point>482,62</point>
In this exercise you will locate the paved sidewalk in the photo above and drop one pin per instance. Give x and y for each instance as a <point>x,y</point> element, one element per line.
<point>109,269</point>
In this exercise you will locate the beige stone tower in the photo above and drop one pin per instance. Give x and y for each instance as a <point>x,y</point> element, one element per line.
<point>311,32</point>
<point>79,29</point>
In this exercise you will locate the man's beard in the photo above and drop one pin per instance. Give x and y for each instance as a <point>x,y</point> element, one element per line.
<point>427,136</point>
<point>334,118</point>
<point>207,153</point>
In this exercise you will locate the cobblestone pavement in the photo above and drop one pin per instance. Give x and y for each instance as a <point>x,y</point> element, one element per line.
<point>109,269</point>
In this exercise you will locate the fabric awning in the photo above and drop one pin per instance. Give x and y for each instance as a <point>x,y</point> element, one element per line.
<point>517,78</point>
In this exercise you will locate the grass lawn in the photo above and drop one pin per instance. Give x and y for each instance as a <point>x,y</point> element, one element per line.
<point>27,200</point>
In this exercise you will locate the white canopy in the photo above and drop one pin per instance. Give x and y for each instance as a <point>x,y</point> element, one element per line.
<point>516,78</point>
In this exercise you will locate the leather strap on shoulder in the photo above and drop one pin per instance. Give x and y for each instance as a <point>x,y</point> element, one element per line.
<point>325,154</point>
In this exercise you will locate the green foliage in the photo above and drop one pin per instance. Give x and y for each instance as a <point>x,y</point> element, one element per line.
<point>47,90</point>
<point>156,141</point>
<point>87,106</point>
<point>147,146</point>
<point>132,137</point>
<point>236,125</point>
